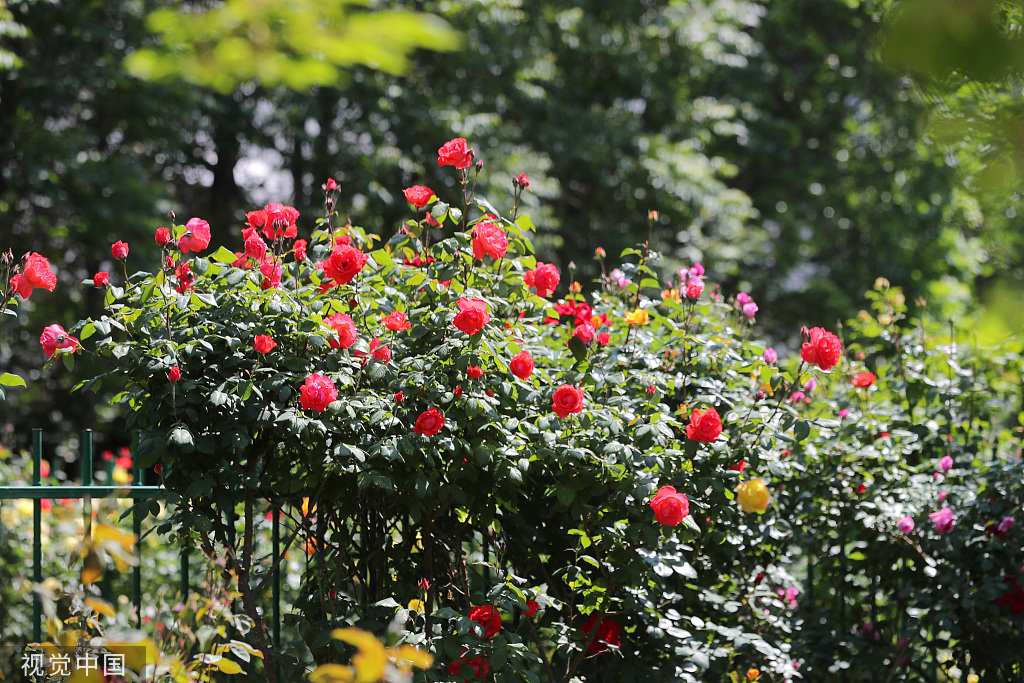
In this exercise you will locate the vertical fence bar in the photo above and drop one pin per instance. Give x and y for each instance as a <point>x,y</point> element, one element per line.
<point>37,534</point>
<point>138,479</point>
<point>184,587</point>
<point>275,557</point>
<point>87,479</point>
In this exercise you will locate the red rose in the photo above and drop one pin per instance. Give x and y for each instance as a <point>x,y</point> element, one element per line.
<point>54,337</point>
<point>163,236</point>
<point>263,343</point>
<point>429,422</point>
<point>196,237</point>
<point>455,153</point>
<point>35,273</point>
<point>174,375</point>
<point>487,617</point>
<point>344,263</point>
<point>531,608</point>
<point>399,397</point>
<point>567,400</point>
<point>489,240</point>
<point>521,365</point>
<point>256,219</point>
<point>738,467</point>
<point>255,247</point>
<point>186,278</point>
<point>418,195</point>
<point>119,250</point>
<point>607,634</point>
<point>272,271</point>
<point>474,372</point>
<point>704,427</point>
<point>396,322</point>
<point>317,393</point>
<point>823,349</point>
<point>479,665</point>
<point>331,185</point>
<point>523,180</point>
<point>280,221</point>
<point>584,332</point>
<point>604,338</point>
<point>346,329</point>
<point>472,315</point>
<point>457,391</point>
<point>544,278</point>
<point>863,379</point>
<point>101,279</point>
<point>380,352</point>
<point>670,507</point>
<point>300,250</point>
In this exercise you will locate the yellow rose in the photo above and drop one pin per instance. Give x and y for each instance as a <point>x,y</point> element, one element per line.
<point>753,496</point>
<point>638,317</point>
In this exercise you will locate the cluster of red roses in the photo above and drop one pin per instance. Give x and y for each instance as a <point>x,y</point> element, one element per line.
<point>35,272</point>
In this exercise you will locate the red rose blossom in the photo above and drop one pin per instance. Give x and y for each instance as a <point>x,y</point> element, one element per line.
<point>186,278</point>
<point>863,379</point>
<point>738,467</point>
<point>455,153</point>
<point>119,250</point>
<point>344,263</point>
<point>54,337</point>
<point>272,271</point>
<point>396,322</point>
<point>704,427</point>
<point>822,349</point>
<point>472,315</point>
<point>489,240</point>
<point>567,400</point>
<point>429,422</point>
<point>263,343</point>
<point>342,324</point>
<point>255,247</point>
<point>544,278</point>
<point>585,332</point>
<point>523,180</point>
<point>531,608</point>
<point>300,250</point>
<point>479,665</point>
<point>604,338</point>
<point>280,221</point>
<point>521,365</point>
<point>318,392</point>
<point>162,236</point>
<point>101,279</point>
<point>196,237</point>
<point>35,273</point>
<point>418,195</point>
<point>487,617</point>
<point>174,375</point>
<point>670,507</point>
<point>607,634</point>
<point>474,372</point>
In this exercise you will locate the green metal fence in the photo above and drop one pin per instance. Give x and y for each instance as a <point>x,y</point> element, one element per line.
<point>136,491</point>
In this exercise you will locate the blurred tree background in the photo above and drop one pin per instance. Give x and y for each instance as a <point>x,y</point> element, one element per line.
<point>799,149</point>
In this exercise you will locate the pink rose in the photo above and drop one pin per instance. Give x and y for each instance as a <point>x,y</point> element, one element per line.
<point>318,392</point>
<point>54,337</point>
<point>196,237</point>
<point>119,250</point>
<point>905,525</point>
<point>943,520</point>
<point>670,507</point>
<point>945,463</point>
<point>489,240</point>
<point>35,273</point>
<point>822,349</point>
<point>342,324</point>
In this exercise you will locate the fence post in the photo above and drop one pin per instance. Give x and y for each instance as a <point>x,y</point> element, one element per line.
<point>37,534</point>
<point>87,479</point>
<point>138,479</point>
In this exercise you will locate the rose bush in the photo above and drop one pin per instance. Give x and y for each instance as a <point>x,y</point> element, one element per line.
<point>429,490</point>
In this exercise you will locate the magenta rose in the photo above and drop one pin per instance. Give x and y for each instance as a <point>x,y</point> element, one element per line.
<point>670,507</point>
<point>318,392</point>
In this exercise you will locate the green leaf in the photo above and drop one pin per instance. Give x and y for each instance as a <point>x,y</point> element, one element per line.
<point>9,380</point>
<point>181,437</point>
<point>223,255</point>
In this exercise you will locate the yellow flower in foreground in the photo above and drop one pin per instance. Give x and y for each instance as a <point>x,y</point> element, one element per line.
<point>638,317</point>
<point>370,663</point>
<point>753,496</point>
<point>417,605</point>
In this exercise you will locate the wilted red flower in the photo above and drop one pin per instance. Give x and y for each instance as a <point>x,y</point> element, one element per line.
<point>429,422</point>
<point>455,153</point>
<point>487,617</point>
<point>35,273</point>
<point>823,349</point>
<point>418,195</point>
<point>196,237</point>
